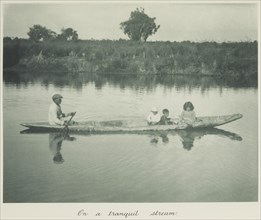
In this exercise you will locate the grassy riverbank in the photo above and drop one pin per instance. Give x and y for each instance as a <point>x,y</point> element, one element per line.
<point>123,56</point>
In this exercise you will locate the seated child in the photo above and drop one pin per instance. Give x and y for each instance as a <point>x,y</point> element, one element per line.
<point>154,116</point>
<point>188,115</point>
<point>165,120</point>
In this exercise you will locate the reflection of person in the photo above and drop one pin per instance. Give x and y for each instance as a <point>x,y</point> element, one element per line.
<point>154,140</point>
<point>156,137</point>
<point>165,120</point>
<point>154,116</point>
<point>55,144</point>
<point>56,116</point>
<point>164,138</point>
<point>188,115</point>
<point>187,139</point>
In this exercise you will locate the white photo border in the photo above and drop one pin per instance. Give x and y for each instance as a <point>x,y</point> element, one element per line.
<point>238,210</point>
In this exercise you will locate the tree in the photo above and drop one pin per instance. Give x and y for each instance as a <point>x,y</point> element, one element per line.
<point>139,26</point>
<point>11,51</point>
<point>68,34</point>
<point>38,33</point>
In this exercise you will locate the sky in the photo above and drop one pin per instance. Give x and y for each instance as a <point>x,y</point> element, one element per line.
<point>178,22</point>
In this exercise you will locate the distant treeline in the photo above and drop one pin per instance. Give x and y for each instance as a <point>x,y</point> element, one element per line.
<point>126,56</point>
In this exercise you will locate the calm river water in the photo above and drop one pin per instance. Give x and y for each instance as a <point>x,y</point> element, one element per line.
<point>218,165</point>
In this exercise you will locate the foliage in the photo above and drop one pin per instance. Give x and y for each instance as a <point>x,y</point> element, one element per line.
<point>208,58</point>
<point>38,33</point>
<point>68,34</point>
<point>139,26</point>
<point>11,52</point>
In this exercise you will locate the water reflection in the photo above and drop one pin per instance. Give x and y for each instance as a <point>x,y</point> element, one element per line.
<point>55,145</point>
<point>160,137</point>
<point>136,82</point>
<point>188,137</point>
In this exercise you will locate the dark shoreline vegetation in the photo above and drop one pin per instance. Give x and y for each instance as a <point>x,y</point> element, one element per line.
<point>236,59</point>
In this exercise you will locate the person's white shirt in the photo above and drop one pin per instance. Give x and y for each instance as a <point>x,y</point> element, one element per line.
<point>153,118</point>
<point>54,115</point>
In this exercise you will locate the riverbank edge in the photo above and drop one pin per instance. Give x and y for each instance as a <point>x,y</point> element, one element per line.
<point>77,65</point>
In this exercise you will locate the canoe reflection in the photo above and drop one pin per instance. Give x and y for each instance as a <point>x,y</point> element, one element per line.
<point>188,137</point>
<point>55,145</point>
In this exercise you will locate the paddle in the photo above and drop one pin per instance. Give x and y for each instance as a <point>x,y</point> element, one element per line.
<point>68,122</point>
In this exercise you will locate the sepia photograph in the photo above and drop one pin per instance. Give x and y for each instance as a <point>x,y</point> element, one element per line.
<point>132,108</point>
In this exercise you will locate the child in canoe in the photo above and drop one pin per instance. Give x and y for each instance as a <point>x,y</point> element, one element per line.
<point>188,115</point>
<point>154,117</point>
<point>165,120</point>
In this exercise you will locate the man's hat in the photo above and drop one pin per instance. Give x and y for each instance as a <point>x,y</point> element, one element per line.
<point>57,96</point>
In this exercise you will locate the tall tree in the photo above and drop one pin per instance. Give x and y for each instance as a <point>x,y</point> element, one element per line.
<point>68,34</point>
<point>38,33</point>
<point>139,26</point>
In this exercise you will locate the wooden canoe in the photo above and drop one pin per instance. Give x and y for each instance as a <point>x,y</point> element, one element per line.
<point>133,125</point>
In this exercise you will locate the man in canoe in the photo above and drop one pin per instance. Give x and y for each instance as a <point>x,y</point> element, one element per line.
<point>56,116</point>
